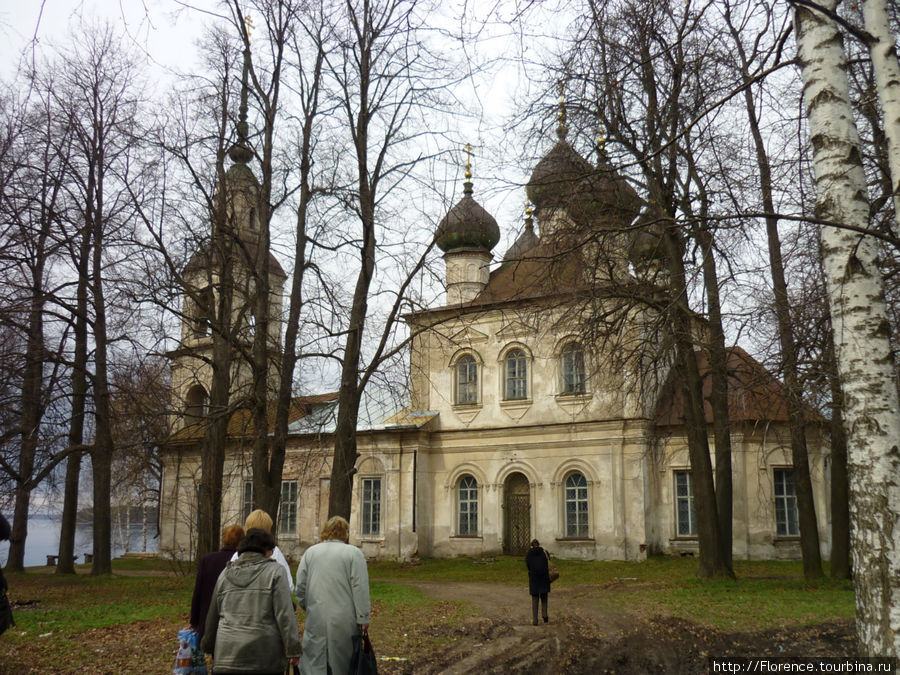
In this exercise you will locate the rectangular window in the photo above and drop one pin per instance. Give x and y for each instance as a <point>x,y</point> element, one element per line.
<point>249,498</point>
<point>573,370</point>
<point>576,506</point>
<point>371,506</point>
<point>516,375</point>
<point>468,507</point>
<point>685,515</point>
<point>467,381</point>
<point>787,524</point>
<point>287,511</point>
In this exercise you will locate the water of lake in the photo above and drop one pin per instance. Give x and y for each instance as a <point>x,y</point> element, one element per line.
<point>43,540</point>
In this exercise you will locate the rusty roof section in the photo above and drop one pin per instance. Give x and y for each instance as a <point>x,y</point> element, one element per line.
<point>240,425</point>
<point>754,394</point>
<point>543,270</point>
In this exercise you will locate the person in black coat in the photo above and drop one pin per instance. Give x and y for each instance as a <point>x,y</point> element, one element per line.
<point>5,532</point>
<point>537,562</point>
<point>208,571</point>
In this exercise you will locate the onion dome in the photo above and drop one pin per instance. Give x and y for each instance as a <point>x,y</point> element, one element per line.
<point>525,242</point>
<point>646,240</point>
<point>557,176</point>
<point>563,178</point>
<point>467,225</point>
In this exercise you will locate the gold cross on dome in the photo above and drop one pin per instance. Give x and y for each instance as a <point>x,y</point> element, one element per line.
<point>468,161</point>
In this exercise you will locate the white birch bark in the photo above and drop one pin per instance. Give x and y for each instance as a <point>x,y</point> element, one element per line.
<point>886,68</point>
<point>865,362</point>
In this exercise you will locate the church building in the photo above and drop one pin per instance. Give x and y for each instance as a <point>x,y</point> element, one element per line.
<point>517,425</point>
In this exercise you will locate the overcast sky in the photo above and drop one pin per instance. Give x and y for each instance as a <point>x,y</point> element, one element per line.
<point>165,31</point>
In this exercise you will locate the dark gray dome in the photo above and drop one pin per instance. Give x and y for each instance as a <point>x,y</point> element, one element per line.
<point>467,225</point>
<point>563,178</point>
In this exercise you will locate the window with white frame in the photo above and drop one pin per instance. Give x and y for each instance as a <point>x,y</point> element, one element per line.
<point>685,515</point>
<point>249,502</point>
<point>516,375</point>
<point>573,375</point>
<point>287,510</point>
<point>466,380</point>
<point>787,523</point>
<point>370,513</point>
<point>467,501</point>
<point>576,505</point>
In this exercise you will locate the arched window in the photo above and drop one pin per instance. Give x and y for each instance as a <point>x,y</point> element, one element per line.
<point>573,377</point>
<point>196,404</point>
<point>201,312</point>
<point>467,505</point>
<point>466,380</point>
<point>576,506</point>
<point>516,378</point>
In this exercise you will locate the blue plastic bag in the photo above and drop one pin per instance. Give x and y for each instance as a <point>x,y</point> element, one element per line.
<point>189,659</point>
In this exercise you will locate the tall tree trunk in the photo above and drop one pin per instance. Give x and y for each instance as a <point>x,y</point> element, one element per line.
<point>32,406</point>
<point>292,327</point>
<point>809,532</point>
<point>718,399</point>
<point>212,452</point>
<point>718,365</point>
<point>219,307</point>
<point>840,481</point>
<point>102,453</point>
<point>862,347</point>
<point>712,561</point>
<point>886,69</point>
<point>345,453</point>
<point>66,560</point>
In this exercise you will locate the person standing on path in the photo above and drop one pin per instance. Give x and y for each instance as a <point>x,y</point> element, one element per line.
<point>208,571</point>
<point>333,590</point>
<point>538,565</point>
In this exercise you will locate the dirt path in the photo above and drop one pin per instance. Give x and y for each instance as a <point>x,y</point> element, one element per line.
<point>582,637</point>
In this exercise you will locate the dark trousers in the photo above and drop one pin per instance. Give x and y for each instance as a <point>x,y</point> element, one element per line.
<point>534,607</point>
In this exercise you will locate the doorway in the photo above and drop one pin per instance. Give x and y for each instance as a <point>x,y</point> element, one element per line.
<point>517,503</point>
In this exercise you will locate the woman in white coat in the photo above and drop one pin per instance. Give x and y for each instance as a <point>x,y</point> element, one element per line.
<point>333,590</point>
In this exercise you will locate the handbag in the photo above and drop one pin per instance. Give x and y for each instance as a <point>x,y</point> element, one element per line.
<point>551,569</point>
<point>363,661</point>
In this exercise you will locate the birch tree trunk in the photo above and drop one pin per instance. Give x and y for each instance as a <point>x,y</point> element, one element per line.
<point>886,67</point>
<point>864,358</point>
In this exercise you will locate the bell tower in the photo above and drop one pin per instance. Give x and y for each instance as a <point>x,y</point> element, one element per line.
<point>225,263</point>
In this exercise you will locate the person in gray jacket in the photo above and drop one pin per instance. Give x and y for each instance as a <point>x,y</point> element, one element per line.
<point>333,590</point>
<point>251,626</point>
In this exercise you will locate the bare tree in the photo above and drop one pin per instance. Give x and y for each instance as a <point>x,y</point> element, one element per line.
<point>766,54</point>
<point>95,95</point>
<point>378,72</point>
<point>649,77</point>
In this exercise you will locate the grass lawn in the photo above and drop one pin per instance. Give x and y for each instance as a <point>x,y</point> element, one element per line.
<point>71,622</point>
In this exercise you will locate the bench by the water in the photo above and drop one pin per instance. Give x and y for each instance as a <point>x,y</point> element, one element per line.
<point>52,560</point>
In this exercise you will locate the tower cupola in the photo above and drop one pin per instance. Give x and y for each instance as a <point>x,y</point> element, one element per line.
<point>466,235</point>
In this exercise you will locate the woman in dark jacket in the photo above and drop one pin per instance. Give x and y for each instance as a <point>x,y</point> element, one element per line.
<point>538,579</point>
<point>208,571</point>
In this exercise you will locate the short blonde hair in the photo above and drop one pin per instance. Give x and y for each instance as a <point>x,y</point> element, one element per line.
<point>335,528</point>
<point>260,520</point>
